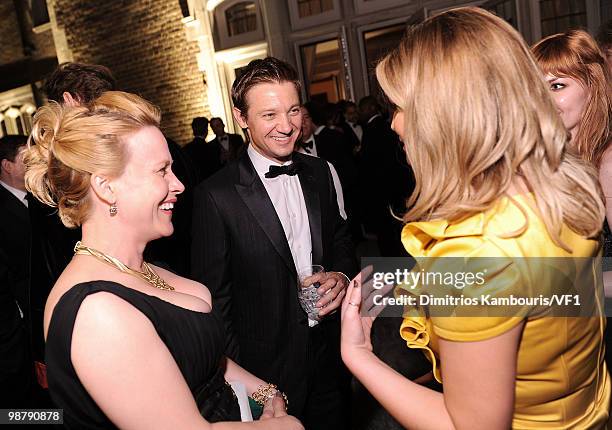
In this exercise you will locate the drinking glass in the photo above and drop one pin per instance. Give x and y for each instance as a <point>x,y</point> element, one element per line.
<point>307,290</point>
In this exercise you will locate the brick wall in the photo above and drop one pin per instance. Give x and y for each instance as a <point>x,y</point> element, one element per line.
<point>43,42</point>
<point>12,48</point>
<point>144,43</point>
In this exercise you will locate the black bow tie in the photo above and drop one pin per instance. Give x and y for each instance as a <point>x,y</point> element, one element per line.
<point>308,144</point>
<point>290,169</point>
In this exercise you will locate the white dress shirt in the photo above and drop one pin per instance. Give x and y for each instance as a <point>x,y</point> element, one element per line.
<point>286,194</point>
<point>288,200</point>
<point>21,195</point>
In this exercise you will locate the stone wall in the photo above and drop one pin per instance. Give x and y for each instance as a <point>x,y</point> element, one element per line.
<point>10,37</point>
<point>144,43</point>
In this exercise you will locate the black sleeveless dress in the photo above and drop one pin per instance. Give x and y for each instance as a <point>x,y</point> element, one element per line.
<point>195,340</point>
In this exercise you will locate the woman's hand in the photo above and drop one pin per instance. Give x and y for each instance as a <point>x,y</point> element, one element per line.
<point>355,328</point>
<point>358,315</point>
<point>275,413</point>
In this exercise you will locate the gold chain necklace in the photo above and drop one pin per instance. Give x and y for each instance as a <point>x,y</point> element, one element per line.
<point>147,274</point>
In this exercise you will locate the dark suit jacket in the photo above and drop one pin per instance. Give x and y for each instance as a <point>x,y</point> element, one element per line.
<point>52,249</point>
<point>350,136</point>
<point>15,232</point>
<point>386,181</point>
<point>241,254</point>
<point>236,145</point>
<point>333,146</point>
<point>210,157</point>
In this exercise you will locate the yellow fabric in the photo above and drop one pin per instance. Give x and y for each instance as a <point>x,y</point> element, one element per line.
<point>561,381</point>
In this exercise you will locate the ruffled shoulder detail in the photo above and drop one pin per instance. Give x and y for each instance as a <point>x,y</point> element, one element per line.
<point>417,236</point>
<point>508,215</point>
<point>414,331</point>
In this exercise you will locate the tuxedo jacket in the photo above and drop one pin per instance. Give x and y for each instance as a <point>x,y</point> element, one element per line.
<point>388,177</point>
<point>236,145</point>
<point>333,146</point>
<point>241,254</point>
<point>14,285</point>
<point>16,244</point>
<point>209,157</point>
<point>52,249</point>
<point>350,135</point>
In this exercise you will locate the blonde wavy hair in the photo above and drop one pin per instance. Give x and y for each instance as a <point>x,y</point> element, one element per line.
<point>575,54</point>
<point>69,144</point>
<point>477,115</point>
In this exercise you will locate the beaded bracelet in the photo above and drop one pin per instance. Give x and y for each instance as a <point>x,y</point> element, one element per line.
<point>266,392</point>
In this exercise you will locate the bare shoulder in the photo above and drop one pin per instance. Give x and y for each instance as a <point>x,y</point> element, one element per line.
<point>106,312</point>
<point>184,285</point>
<point>106,324</point>
<point>607,154</point>
<point>605,172</point>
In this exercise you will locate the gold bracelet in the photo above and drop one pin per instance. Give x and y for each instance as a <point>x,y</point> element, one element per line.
<point>266,392</point>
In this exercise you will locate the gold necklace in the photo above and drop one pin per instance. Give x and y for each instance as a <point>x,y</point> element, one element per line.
<point>147,274</point>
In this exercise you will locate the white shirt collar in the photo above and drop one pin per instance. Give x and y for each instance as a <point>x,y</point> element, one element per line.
<point>318,130</point>
<point>373,117</point>
<point>21,195</point>
<point>261,163</point>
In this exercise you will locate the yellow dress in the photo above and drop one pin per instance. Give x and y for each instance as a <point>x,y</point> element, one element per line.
<point>561,378</point>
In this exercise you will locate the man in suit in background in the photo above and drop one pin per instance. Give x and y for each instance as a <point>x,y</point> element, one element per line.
<point>306,145</point>
<point>353,131</point>
<point>16,366</point>
<point>227,146</point>
<point>332,145</point>
<point>386,177</point>
<point>256,223</point>
<point>198,150</point>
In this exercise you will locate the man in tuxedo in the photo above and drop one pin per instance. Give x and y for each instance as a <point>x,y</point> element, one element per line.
<point>387,179</point>
<point>306,145</point>
<point>332,145</point>
<point>227,146</point>
<point>353,131</point>
<point>199,151</point>
<point>16,367</point>
<point>256,223</point>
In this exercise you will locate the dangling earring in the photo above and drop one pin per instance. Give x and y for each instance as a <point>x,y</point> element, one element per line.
<point>113,209</point>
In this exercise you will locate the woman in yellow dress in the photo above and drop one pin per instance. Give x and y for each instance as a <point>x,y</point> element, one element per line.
<point>494,179</point>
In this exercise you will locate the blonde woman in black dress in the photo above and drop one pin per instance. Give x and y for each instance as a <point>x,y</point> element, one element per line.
<point>129,345</point>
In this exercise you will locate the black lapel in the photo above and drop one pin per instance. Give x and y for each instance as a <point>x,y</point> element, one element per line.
<point>254,194</point>
<point>313,206</point>
<point>11,204</point>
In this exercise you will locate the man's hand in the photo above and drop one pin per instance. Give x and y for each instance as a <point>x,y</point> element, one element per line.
<point>332,290</point>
